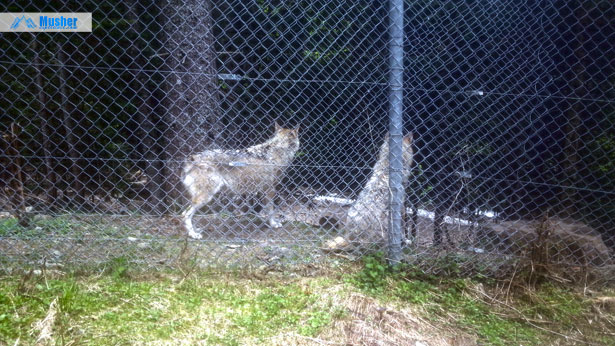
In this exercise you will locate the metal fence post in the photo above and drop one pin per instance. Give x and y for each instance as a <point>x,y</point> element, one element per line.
<point>396,31</point>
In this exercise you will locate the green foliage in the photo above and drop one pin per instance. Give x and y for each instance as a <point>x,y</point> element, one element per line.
<point>114,308</point>
<point>118,267</point>
<point>448,296</point>
<point>414,291</point>
<point>457,301</point>
<point>33,297</point>
<point>449,265</point>
<point>556,304</point>
<point>9,225</point>
<point>372,277</point>
<point>315,323</point>
<point>101,103</point>
<point>58,225</point>
<point>477,315</point>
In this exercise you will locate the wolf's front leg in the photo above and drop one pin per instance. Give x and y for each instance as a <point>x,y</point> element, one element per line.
<point>274,223</point>
<point>270,209</point>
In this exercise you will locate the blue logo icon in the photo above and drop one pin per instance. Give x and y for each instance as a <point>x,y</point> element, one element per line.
<point>29,22</point>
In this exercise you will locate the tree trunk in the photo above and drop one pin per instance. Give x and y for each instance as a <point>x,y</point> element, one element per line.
<point>573,117</point>
<point>571,161</point>
<point>149,148</point>
<point>69,126</point>
<point>191,99</point>
<point>45,116</point>
<point>444,186</point>
<point>16,181</point>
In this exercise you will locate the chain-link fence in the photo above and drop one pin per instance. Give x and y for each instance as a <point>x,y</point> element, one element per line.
<point>258,132</point>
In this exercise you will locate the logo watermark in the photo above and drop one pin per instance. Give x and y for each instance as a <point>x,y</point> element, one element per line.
<point>46,22</point>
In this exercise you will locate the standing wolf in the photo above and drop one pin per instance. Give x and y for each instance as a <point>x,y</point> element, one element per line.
<point>244,171</point>
<point>367,219</point>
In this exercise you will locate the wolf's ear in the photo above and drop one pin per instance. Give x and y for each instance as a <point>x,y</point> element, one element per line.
<point>277,127</point>
<point>409,137</point>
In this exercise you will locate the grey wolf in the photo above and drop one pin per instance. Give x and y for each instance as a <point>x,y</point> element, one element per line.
<point>367,218</point>
<point>252,170</point>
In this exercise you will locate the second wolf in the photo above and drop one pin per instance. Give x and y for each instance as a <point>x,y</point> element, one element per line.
<point>366,223</point>
<point>244,171</point>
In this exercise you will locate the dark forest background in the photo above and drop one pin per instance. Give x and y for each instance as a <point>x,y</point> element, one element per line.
<point>512,104</point>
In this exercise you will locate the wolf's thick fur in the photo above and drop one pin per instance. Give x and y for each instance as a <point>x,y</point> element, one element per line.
<point>367,218</point>
<point>245,171</point>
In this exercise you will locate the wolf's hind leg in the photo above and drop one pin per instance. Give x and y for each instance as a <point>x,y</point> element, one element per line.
<point>187,215</point>
<point>201,195</point>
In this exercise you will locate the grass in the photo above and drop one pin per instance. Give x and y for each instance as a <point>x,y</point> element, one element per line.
<point>62,225</point>
<point>38,228</point>
<point>530,316</point>
<point>357,304</point>
<point>118,308</point>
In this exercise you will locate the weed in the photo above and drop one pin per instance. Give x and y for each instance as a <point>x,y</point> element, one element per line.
<point>415,292</point>
<point>372,277</point>
<point>9,226</point>
<point>478,316</point>
<point>118,267</point>
<point>554,303</point>
<point>39,227</point>
<point>446,298</point>
<point>315,323</point>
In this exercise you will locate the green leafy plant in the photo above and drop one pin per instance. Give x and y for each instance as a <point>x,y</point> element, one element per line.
<point>118,267</point>
<point>373,275</point>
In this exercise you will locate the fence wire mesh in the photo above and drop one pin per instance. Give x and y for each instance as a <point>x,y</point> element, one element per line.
<point>256,132</point>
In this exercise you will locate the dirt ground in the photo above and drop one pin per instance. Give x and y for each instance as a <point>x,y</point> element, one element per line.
<point>237,237</point>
